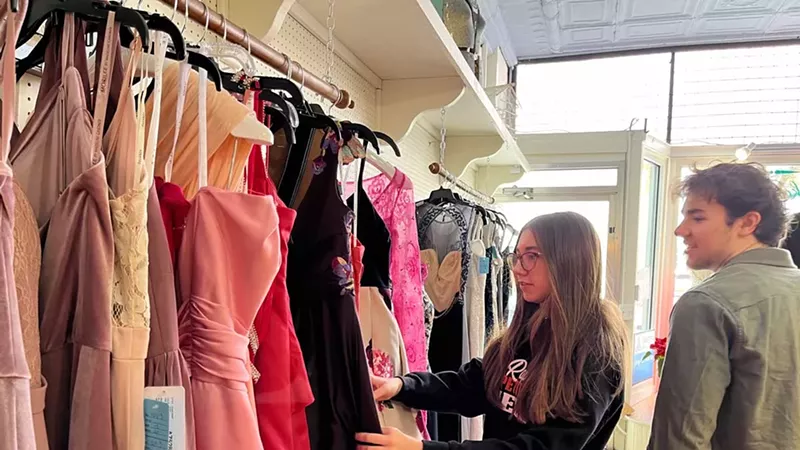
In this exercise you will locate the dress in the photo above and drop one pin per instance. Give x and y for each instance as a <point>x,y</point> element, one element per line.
<point>165,364</point>
<point>58,156</point>
<point>20,382</point>
<point>16,416</point>
<point>394,201</point>
<point>27,264</point>
<point>321,289</point>
<point>128,187</point>
<point>224,112</point>
<point>174,211</point>
<point>228,260</point>
<point>282,390</point>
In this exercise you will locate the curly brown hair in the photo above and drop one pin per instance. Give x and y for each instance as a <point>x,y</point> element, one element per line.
<point>742,188</point>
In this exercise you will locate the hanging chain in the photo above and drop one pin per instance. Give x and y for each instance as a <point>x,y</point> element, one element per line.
<point>442,141</point>
<point>329,57</point>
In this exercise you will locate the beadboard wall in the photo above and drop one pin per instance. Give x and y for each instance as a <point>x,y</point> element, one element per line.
<point>418,149</point>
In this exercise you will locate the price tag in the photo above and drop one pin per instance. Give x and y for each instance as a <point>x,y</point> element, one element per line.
<point>156,425</point>
<point>171,401</point>
<point>483,265</point>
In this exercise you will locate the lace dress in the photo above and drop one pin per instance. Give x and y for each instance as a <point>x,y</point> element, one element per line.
<point>128,184</point>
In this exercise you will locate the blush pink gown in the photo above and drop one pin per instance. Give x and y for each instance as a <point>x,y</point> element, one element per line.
<point>227,262</point>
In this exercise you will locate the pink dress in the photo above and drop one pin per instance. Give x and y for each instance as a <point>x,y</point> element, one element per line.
<point>227,262</point>
<point>394,201</point>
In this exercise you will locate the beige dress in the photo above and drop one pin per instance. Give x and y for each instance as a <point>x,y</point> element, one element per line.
<point>227,155</point>
<point>123,145</point>
<point>386,355</point>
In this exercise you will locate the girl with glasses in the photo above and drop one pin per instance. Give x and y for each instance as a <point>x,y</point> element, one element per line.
<point>553,380</point>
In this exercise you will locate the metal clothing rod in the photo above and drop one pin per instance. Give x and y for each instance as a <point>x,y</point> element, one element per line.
<point>438,169</point>
<point>199,12</point>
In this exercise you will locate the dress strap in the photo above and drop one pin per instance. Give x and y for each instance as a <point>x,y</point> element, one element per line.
<point>183,80</point>
<point>101,89</point>
<point>155,119</point>
<point>67,43</point>
<point>202,131</point>
<point>9,90</point>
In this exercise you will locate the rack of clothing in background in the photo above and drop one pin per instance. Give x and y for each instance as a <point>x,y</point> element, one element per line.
<point>464,245</point>
<point>188,249</point>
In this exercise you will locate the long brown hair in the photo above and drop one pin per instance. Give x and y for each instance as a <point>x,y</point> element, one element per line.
<point>575,336</point>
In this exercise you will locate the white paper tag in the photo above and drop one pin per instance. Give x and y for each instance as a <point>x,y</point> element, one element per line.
<point>175,397</point>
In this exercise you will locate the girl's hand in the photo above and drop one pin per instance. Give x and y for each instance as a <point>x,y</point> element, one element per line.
<point>391,439</point>
<point>385,388</point>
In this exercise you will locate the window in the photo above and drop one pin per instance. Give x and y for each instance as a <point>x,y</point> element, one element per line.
<point>601,94</point>
<point>720,96</point>
<point>737,96</point>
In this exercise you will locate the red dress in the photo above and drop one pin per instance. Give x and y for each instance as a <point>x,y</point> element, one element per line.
<point>282,389</point>
<point>174,211</point>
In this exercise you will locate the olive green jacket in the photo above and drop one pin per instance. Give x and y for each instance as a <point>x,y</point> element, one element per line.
<point>731,378</point>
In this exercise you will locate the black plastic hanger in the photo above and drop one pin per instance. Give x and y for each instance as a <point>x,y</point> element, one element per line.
<point>95,11</point>
<point>361,131</point>
<point>279,101</point>
<point>442,195</point>
<point>202,61</point>
<point>281,121</point>
<point>385,138</point>
<point>160,23</point>
<point>36,55</point>
<point>285,85</point>
<point>322,120</point>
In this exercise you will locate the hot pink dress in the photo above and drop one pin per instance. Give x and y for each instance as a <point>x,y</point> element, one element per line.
<point>227,262</point>
<point>394,201</point>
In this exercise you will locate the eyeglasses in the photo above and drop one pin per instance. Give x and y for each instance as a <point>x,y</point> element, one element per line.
<point>527,260</point>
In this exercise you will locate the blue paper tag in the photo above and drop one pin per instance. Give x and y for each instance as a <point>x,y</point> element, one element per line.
<point>483,265</point>
<point>156,425</point>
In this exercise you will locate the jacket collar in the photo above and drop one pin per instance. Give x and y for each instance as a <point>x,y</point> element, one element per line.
<point>769,256</point>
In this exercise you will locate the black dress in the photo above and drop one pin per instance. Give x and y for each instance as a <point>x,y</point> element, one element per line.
<point>321,292</point>
<point>377,242</point>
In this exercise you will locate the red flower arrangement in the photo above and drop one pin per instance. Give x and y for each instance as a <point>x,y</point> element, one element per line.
<point>658,350</point>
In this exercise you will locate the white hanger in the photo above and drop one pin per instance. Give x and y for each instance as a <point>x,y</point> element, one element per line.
<point>381,164</point>
<point>250,127</point>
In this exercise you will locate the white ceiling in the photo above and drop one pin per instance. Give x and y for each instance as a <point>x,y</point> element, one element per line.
<point>551,28</point>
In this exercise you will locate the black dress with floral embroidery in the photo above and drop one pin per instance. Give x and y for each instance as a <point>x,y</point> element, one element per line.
<point>320,283</point>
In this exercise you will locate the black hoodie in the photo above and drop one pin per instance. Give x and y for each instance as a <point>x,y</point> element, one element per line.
<point>463,393</point>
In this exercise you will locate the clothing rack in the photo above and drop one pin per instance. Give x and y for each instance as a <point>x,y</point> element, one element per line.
<point>438,169</point>
<point>199,13</point>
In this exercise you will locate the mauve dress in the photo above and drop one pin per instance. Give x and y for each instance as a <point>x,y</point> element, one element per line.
<point>55,155</point>
<point>228,260</point>
<point>165,365</point>
<point>16,417</point>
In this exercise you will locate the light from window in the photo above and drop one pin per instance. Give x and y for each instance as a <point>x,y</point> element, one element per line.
<point>737,96</point>
<point>568,178</point>
<point>602,94</point>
